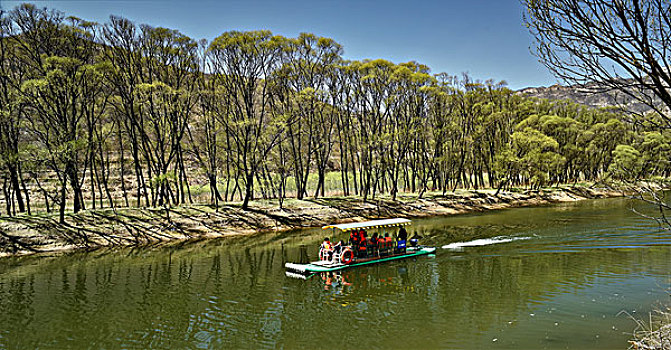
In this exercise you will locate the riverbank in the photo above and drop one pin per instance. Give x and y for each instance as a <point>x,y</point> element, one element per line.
<point>653,333</point>
<point>23,235</point>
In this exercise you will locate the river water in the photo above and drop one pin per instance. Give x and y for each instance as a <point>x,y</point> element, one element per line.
<point>565,276</point>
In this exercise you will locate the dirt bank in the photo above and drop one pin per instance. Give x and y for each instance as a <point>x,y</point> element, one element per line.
<point>91,229</point>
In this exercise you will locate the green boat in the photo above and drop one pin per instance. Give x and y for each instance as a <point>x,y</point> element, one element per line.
<point>362,251</point>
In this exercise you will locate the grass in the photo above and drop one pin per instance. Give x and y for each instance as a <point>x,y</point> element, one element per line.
<point>653,334</point>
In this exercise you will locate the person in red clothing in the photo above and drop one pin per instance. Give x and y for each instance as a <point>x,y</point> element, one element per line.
<point>363,242</point>
<point>362,236</point>
<point>354,238</point>
<point>387,243</point>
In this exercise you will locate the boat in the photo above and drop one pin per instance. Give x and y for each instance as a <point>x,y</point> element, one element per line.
<point>361,254</point>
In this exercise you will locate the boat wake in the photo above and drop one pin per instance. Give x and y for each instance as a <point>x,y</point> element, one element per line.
<point>482,242</point>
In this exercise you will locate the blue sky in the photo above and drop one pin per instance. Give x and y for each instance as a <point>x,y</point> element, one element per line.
<point>487,39</point>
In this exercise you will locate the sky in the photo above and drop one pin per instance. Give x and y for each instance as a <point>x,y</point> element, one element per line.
<point>486,39</point>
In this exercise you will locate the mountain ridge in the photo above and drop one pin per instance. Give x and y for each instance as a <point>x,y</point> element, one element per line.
<point>592,95</point>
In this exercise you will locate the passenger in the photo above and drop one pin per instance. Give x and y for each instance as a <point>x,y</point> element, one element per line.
<point>374,242</point>
<point>354,238</point>
<point>401,239</point>
<point>387,243</point>
<point>402,234</point>
<point>362,252</point>
<point>363,244</point>
<point>414,240</point>
<point>327,249</point>
<point>384,244</point>
<point>338,246</point>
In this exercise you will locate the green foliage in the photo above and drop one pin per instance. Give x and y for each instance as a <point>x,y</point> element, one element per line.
<point>536,154</point>
<point>626,163</point>
<point>274,117</point>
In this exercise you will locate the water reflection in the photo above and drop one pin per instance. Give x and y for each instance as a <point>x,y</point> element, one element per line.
<point>362,282</point>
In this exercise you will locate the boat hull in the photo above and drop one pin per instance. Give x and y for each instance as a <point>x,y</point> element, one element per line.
<point>323,266</point>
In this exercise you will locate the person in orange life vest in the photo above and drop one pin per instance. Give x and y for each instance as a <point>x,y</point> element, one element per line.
<point>354,238</point>
<point>387,241</point>
<point>362,243</point>
<point>374,241</point>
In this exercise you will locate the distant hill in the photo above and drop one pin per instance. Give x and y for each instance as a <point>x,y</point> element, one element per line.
<point>592,95</point>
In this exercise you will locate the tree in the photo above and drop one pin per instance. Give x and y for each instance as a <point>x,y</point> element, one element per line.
<point>243,63</point>
<point>122,50</point>
<point>620,45</point>
<point>306,75</point>
<point>61,91</point>
<point>166,97</point>
<point>626,163</point>
<point>532,156</point>
<point>204,131</point>
<point>83,104</point>
<point>11,78</point>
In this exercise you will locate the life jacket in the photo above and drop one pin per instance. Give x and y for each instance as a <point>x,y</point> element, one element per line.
<point>327,246</point>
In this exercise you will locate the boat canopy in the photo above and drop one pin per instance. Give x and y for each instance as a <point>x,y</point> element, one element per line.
<point>370,224</point>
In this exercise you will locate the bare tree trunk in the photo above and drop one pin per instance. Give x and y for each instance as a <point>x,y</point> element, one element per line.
<point>61,205</point>
<point>14,180</point>
<point>25,189</point>
<point>249,190</point>
<point>5,191</point>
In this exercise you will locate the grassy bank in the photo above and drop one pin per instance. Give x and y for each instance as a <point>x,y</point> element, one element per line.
<point>655,333</point>
<point>22,235</point>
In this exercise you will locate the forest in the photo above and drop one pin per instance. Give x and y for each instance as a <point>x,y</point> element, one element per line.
<point>126,115</point>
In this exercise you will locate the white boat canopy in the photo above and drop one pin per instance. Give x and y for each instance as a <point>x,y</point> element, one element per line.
<point>370,224</point>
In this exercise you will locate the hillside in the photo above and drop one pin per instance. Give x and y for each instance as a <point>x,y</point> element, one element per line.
<point>592,95</point>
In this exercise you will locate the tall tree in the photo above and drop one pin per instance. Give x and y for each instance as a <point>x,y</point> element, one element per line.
<point>61,92</point>
<point>243,63</point>
<point>205,131</point>
<point>122,41</point>
<point>166,98</point>
<point>11,78</point>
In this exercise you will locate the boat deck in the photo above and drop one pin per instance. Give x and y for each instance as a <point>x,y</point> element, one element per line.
<point>326,263</point>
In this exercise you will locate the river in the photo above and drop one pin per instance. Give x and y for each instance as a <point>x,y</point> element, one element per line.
<point>563,276</point>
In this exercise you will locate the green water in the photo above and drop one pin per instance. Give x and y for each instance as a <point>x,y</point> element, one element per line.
<point>560,277</point>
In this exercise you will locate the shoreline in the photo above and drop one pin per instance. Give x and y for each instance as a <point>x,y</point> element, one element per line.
<point>92,229</point>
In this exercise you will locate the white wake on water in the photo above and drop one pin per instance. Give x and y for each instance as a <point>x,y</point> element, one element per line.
<point>483,241</point>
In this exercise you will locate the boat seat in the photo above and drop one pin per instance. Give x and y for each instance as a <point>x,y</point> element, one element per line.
<point>400,246</point>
